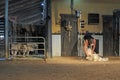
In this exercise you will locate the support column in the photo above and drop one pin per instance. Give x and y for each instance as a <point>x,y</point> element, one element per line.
<point>49,51</point>
<point>6,28</point>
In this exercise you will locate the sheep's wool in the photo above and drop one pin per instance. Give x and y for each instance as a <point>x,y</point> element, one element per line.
<point>94,57</point>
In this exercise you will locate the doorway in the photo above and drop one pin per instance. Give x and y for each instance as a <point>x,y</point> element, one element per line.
<point>69,35</point>
<point>111,34</point>
<point>107,35</point>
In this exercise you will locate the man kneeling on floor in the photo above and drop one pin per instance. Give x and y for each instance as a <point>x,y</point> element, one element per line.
<point>89,47</point>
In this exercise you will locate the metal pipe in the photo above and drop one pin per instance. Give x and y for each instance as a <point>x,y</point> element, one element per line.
<point>49,51</point>
<point>72,6</point>
<point>6,28</point>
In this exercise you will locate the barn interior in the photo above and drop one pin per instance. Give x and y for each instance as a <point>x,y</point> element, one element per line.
<point>39,26</point>
<point>22,23</point>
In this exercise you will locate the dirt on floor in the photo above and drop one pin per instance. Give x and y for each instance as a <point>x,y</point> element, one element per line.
<point>60,68</point>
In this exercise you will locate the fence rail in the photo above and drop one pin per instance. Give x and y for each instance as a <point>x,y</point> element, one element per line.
<point>37,43</point>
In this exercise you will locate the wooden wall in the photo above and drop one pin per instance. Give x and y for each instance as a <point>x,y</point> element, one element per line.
<point>102,7</point>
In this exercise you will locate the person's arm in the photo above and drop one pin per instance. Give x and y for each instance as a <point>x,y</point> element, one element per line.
<point>85,47</point>
<point>94,45</point>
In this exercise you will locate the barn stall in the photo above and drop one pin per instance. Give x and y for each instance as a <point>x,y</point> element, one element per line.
<point>27,26</point>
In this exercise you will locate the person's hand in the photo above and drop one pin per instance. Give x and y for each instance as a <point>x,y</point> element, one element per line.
<point>92,51</point>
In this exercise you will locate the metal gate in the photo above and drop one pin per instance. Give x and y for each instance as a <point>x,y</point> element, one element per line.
<point>25,41</point>
<point>31,46</point>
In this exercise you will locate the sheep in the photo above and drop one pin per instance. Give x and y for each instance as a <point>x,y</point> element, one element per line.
<point>15,48</point>
<point>22,48</point>
<point>18,48</point>
<point>29,47</point>
<point>94,56</point>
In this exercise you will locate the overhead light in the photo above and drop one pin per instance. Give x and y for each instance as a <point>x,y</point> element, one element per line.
<point>1,36</point>
<point>42,4</point>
